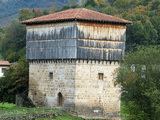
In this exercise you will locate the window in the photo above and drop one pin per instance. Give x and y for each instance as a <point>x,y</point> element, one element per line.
<point>50,75</point>
<point>3,69</point>
<point>100,76</point>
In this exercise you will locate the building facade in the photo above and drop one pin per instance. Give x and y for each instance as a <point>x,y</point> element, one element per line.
<point>4,65</point>
<point>73,55</point>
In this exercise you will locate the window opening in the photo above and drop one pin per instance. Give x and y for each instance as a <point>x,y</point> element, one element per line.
<point>50,75</point>
<point>100,76</point>
<point>60,99</point>
<point>3,69</point>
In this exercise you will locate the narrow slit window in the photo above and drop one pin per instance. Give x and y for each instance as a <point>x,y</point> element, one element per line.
<point>100,76</point>
<point>50,75</point>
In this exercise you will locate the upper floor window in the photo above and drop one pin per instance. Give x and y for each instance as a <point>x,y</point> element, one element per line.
<point>100,76</point>
<point>50,75</point>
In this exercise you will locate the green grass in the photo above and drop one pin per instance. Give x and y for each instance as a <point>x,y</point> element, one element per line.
<point>10,109</point>
<point>6,105</point>
<point>9,106</point>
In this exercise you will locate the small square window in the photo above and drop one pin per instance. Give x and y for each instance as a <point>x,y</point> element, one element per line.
<point>50,75</point>
<point>3,69</point>
<point>100,76</point>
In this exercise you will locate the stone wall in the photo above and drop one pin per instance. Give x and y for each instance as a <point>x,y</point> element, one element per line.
<point>96,96</point>
<point>43,90</point>
<point>83,91</point>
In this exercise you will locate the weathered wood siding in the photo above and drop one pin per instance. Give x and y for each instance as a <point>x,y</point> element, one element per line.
<point>51,41</point>
<point>76,40</point>
<point>51,31</point>
<point>97,31</point>
<point>101,41</point>
<point>55,49</point>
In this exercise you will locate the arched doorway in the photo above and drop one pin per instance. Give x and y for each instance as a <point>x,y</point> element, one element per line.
<point>60,99</point>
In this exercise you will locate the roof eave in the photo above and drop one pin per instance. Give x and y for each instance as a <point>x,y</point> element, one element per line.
<point>73,19</point>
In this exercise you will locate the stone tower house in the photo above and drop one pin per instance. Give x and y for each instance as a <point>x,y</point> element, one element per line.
<point>72,57</point>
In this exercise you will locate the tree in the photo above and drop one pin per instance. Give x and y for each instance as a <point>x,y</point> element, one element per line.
<point>15,81</point>
<point>122,4</point>
<point>2,34</point>
<point>139,76</point>
<point>37,12</point>
<point>72,3</point>
<point>150,34</point>
<point>110,10</point>
<point>25,14</point>
<point>45,12</point>
<point>53,9</point>
<point>14,42</point>
<point>98,4</point>
<point>135,34</point>
<point>90,8</point>
<point>155,20</point>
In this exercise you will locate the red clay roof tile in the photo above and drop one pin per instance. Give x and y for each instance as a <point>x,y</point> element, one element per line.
<point>76,14</point>
<point>4,63</point>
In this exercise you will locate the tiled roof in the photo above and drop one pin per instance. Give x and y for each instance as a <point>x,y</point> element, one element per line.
<point>4,63</point>
<point>76,14</point>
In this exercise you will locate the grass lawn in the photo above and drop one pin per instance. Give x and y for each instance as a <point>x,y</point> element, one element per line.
<point>9,106</point>
<point>10,109</point>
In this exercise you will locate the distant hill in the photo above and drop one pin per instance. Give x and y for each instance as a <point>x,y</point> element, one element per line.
<point>9,8</point>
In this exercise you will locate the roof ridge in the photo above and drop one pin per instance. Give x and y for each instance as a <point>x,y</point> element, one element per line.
<point>80,9</point>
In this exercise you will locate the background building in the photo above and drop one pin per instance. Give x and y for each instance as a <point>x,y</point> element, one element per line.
<point>4,65</point>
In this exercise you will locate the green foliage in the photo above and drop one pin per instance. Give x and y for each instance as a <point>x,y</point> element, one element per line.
<point>12,45</point>
<point>90,8</point>
<point>25,14</point>
<point>45,12</point>
<point>37,12</point>
<point>110,10</point>
<point>6,105</point>
<point>96,4</point>
<point>139,76</point>
<point>150,34</point>
<point>53,9</point>
<point>1,58</point>
<point>72,3</point>
<point>132,111</point>
<point>15,81</point>
<point>122,4</point>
